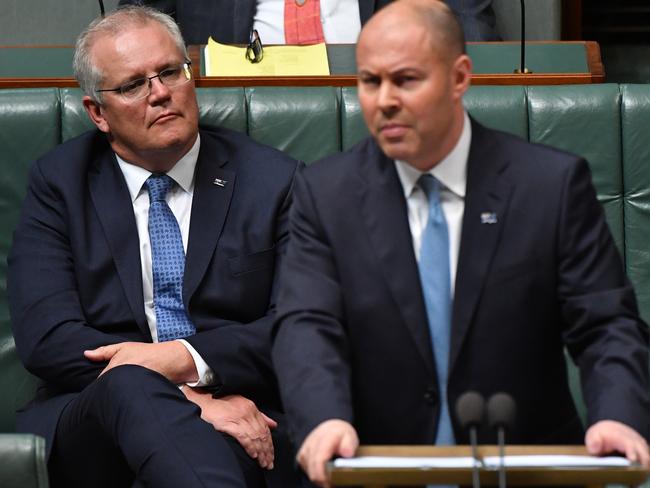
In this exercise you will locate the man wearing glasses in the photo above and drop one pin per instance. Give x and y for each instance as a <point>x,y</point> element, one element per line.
<point>141,277</point>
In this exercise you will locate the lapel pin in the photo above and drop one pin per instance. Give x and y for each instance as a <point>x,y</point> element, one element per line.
<point>219,182</point>
<point>488,218</point>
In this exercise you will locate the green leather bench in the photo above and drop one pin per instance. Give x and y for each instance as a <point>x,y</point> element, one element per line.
<point>608,124</point>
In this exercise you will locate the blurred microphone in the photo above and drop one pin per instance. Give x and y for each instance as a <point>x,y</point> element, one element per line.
<point>470,410</point>
<point>101,8</point>
<point>522,68</point>
<point>501,412</point>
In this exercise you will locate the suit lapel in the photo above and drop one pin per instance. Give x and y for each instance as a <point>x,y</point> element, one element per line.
<point>112,202</point>
<point>487,197</point>
<point>383,210</point>
<point>213,190</point>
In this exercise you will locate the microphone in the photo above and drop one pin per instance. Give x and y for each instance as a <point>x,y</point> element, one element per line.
<point>522,68</point>
<point>470,410</point>
<point>501,411</point>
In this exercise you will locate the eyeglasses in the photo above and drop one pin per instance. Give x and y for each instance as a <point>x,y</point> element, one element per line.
<point>255,50</point>
<point>141,88</point>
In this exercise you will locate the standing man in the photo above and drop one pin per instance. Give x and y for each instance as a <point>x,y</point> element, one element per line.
<point>141,279</point>
<point>231,22</point>
<point>439,256</point>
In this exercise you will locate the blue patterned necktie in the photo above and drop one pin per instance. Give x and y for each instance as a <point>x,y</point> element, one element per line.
<point>168,263</point>
<point>436,286</point>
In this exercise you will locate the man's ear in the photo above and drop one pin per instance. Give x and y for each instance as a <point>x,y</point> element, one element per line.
<point>96,113</point>
<point>462,73</point>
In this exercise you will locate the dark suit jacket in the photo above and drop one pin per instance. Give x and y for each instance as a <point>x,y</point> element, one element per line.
<point>352,340</point>
<point>74,277</point>
<point>227,21</point>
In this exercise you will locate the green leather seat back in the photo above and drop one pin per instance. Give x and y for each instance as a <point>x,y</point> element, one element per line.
<point>353,126</point>
<point>225,107</point>
<point>635,119</point>
<point>29,127</point>
<point>307,134</point>
<point>499,107</point>
<point>585,120</point>
<point>74,119</point>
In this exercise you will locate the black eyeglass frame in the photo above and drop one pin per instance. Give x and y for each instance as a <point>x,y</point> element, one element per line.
<point>185,67</point>
<point>255,49</point>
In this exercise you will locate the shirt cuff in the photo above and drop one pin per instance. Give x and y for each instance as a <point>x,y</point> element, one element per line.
<point>206,376</point>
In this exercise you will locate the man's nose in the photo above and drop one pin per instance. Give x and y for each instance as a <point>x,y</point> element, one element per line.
<point>158,89</point>
<point>387,98</point>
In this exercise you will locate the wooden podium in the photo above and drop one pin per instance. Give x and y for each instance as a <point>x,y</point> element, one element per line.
<point>546,476</point>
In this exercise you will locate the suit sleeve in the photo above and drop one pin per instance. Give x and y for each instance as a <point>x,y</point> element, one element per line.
<point>238,353</point>
<point>48,321</point>
<point>604,333</point>
<point>310,349</point>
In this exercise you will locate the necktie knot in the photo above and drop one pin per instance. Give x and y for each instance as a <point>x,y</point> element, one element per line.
<point>158,186</point>
<point>431,187</point>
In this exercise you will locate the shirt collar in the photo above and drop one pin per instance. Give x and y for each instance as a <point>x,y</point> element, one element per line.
<point>451,171</point>
<point>182,172</point>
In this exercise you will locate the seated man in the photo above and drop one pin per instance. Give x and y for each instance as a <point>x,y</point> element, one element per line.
<point>438,257</point>
<point>141,279</point>
<point>231,22</point>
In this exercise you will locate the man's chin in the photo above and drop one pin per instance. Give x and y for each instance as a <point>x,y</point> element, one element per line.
<point>395,151</point>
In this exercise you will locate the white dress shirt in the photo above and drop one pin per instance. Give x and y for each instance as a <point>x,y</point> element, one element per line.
<point>340,18</point>
<point>179,199</point>
<point>451,172</point>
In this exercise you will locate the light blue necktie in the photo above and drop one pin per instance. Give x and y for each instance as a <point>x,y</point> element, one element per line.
<point>436,286</point>
<point>168,263</point>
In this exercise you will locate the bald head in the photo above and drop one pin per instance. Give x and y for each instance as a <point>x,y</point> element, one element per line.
<point>412,74</point>
<point>446,36</point>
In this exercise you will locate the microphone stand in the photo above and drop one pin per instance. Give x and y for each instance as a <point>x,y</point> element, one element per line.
<point>502,468</point>
<point>470,410</point>
<point>501,409</point>
<point>473,438</point>
<point>522,69</point>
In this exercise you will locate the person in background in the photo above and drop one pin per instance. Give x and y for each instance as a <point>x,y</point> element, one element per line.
<point>438,257</point>
<point>141,280</point>
<point>277,21</point>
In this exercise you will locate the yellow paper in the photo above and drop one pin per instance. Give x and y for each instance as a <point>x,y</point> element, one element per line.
<point>225,60</point>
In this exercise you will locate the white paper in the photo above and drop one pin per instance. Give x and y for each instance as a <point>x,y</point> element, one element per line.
<point>562,461</point>
<point>404,462</point>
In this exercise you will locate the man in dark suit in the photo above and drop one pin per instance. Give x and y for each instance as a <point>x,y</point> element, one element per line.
<point>141,279</point>
<point>231,22</point>
<point>527,266</point>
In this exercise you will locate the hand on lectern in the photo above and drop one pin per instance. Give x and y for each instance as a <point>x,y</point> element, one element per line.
<point>329,439</point>
<point>609,436</point>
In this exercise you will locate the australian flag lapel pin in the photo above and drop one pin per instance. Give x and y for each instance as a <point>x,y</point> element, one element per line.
<point>220,182</point>
<point>488,218</point>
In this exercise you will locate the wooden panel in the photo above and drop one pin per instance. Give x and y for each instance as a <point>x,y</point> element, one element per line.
<point>595,74</point>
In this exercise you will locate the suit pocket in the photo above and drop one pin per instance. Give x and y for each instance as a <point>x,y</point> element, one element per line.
<point>248,263</point>
<point>512,271</point>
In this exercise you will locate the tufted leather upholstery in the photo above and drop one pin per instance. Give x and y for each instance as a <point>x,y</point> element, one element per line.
<point>608,124</point>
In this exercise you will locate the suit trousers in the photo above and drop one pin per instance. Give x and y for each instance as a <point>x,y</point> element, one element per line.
<point>132,427</point>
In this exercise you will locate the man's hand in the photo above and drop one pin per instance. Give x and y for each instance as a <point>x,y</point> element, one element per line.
<point>609,436</point>
<point>330,438</point>
<point>238,417</point>
<point>170,359</point>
